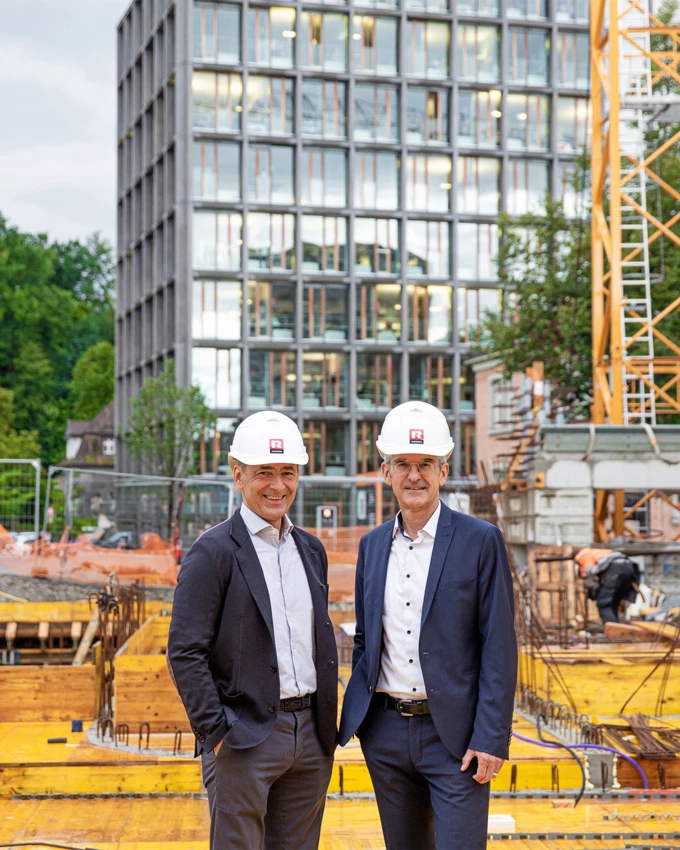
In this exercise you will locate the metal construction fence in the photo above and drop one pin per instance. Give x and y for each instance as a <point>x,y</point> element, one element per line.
<point>20,495</point>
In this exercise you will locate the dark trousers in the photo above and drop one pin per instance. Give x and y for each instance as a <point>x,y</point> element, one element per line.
<point>616,584</point>
<point>272,796</point>
<point>424,800</point>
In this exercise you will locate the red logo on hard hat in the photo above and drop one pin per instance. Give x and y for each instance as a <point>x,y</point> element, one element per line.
<point>276,447</point>
<point>416,435</point>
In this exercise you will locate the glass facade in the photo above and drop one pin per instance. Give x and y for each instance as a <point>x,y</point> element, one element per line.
<point>343,230</point>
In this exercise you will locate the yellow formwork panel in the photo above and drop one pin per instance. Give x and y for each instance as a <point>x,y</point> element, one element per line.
<point>600,684</point>
<point>182,823</point>
<point>60,612</point>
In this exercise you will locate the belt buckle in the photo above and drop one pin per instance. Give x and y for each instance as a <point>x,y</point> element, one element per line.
<point>404,713</point>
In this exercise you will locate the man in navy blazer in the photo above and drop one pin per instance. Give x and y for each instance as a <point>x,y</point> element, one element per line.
<point>435,655</point>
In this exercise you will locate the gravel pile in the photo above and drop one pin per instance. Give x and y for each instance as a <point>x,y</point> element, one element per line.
<point>53,590</point>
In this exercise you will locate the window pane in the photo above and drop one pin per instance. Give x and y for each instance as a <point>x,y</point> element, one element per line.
<point>478,185</point>
<point>376,113</point>
<point>271,174</point>
<point>427,46</point>
<point>271,241</point>
<point>272,379</point>
<point>376,180</point>
<point>374,44</point>
<point>479,114</point>
<point>327,447</point>
<point>427,115</point>
<point>473,306</point>
<point>217,29</point>
<point>217,171</point>
<point>573,62</point>
<point>377,381</point>
<point>532,9</point>
<point>478,52</point>
<point>528,121</point>
<point>270,105</point>
<point>377,246</point>
<point>323,109</point>
<point>431,380</point>
<point>428,182</point>
<point>427,243</point>
<point>324,179</point>
<point>271,33</point>
<point>428,5</point>
<point>324,243</point>
<point>527,185</point>
<point>478,7</point>
<point>573,189</point>
<point>430,318</point>
<point>324,377</point>
<point>271,310</point>
<point>572,10</point>
<point>216,101</point>
<point>573,124</point>
<point>379,312</point>
<point>217,371</point>
<point>325,312</point>
<point>529,56</point>
<point>477,251</point>
<point>323,41</point>
<point>216,310</point>
<point>216,240</point>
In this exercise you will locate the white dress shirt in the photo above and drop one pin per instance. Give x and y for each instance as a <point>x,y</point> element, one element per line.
<point>400,673</point>
<point>291,603</point>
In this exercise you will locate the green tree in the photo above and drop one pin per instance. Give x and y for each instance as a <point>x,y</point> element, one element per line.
<point>92,383</point>
<point>544,269</point>
<point>164,423</point>
<point>56,301</point>
<point>20,444</point>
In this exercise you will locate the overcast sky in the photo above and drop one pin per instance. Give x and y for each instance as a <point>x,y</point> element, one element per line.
<point>58,115</point>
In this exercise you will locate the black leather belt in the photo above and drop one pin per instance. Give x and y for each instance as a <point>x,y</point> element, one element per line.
<point>408,707</point>
<point>295,703</point>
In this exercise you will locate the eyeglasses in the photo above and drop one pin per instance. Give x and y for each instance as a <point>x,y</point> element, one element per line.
<point>425,467</point>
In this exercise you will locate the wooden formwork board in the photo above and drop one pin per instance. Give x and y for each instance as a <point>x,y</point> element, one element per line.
<point>144,692</point>
<point>60,612</point>
<point>553,592</point>
<point>47,693</point>
<point>600,682</point>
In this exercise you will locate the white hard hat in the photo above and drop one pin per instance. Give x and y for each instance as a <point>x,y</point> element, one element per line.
<point>268,437</point>
<point>415,428</point>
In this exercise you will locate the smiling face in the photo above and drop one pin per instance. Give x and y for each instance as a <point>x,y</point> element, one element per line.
<point>415,481</point>
<point>268,490</point>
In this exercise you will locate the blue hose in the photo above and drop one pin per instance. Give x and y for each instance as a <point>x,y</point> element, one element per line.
<point>645,783</point>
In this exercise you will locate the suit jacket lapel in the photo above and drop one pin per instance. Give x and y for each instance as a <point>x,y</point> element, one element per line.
<point>375,577</point>
<point>252,571</point>
<point>442,541</point>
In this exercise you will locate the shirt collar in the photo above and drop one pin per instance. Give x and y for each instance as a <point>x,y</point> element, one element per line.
<point>430,526</point>
<point>255,523</point>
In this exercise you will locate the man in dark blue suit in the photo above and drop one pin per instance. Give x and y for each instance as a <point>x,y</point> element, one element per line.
<point>435,655</point>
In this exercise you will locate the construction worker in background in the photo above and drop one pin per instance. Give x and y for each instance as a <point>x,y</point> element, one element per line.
<point>435,656</point>
<point>254,656</point>
<point>610,578</point>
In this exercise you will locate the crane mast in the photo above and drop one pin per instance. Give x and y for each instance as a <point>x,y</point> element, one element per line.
<point>631,383</point>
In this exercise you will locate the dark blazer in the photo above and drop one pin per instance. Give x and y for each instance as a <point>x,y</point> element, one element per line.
<point>468,649</point>
<point>221,645</point>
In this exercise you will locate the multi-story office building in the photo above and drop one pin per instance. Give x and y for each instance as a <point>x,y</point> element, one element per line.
<point>308,199</point>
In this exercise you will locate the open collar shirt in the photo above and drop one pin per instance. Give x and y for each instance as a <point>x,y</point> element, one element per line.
<point>400,674</point>
<point>291,603</point>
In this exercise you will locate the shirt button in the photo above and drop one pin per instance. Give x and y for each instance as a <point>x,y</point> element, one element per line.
<point>408,604</point>
<point>408,631</point>
<point>408,575</point>
<point>410,661</point>
<point>410,547</point>
<point>414,690</point>
<point>274,669</point>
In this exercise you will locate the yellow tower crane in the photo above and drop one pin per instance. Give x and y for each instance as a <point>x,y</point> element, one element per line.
<point>631,385</point>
